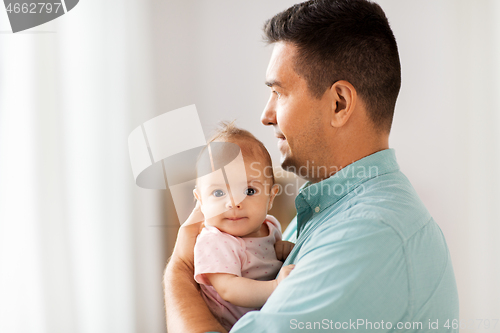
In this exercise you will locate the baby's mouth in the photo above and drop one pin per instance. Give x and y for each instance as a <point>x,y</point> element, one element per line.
<point>235,218</point>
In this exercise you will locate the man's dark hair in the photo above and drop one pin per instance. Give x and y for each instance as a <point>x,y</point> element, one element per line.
<point>343,40</point>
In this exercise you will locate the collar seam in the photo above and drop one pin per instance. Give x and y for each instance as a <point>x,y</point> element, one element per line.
<point>354,186</point>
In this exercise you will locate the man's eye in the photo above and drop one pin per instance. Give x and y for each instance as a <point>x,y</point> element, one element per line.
<point>277,93</point>
<point>218,193</point>
<point>250,191</point>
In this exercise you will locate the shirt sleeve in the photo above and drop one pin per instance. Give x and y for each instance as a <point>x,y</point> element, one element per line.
<point>344,273</point>
<point>216,253</point>
<point>290,233</point>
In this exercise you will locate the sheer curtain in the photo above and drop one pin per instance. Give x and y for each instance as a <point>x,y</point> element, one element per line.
<point>77,250</point>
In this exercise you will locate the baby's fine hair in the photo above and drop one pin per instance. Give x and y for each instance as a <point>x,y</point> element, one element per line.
<point>248,143</point>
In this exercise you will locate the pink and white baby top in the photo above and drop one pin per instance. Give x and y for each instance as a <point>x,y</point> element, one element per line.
<point>218,252</point>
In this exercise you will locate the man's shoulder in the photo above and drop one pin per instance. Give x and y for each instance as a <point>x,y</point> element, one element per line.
<point>355,231</point>
<point>388,201</point>
<point>386,211</point>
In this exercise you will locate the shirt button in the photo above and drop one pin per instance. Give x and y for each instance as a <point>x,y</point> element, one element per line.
<point>316,209</point>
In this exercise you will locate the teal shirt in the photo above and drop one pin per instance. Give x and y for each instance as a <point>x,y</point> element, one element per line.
<point>368,255</point>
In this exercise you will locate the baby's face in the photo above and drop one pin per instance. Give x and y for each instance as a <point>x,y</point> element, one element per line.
<point>244,202</point>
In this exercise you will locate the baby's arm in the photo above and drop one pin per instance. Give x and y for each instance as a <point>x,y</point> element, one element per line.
<point>245,292</point>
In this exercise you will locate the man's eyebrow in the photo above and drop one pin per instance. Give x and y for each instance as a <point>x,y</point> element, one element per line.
<point>273,83</point>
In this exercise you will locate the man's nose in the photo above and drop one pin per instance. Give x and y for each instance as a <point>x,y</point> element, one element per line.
<point>268,116</point>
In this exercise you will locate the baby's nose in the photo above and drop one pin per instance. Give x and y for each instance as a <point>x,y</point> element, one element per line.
<point>231,204</point>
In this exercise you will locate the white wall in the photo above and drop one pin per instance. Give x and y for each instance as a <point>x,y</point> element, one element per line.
<point>446,126</point>
<point>446,133</point>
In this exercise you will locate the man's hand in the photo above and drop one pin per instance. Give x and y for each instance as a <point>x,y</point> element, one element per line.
<point>283,249</point>
<point>186,237</point>
<point>185,308</point>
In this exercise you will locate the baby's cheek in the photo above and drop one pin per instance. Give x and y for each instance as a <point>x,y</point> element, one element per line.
<point>212,209</point>
<point>204,211</point>
<point>210,222</point>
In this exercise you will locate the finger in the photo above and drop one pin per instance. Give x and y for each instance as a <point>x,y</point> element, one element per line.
<point>286,271</point>
<point>282,251</point>
<point>184,244</point>
<point>279,255</point>
<point>279,251</point>
<point>195,217</point>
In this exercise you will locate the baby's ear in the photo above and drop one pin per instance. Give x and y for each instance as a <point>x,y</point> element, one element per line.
<point>197,195</point>
<point>274,190</point>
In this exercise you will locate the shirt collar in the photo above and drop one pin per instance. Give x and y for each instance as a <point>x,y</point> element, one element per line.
<point>319,196</point>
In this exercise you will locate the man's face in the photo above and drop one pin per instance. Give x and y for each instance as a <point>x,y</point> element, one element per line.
<point>299,119</point>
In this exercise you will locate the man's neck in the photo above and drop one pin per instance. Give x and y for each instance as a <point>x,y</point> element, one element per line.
<point>348,155</point>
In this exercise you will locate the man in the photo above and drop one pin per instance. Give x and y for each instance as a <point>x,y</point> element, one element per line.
<point>368,255</point>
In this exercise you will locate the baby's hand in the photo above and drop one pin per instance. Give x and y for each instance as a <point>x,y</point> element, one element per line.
<point>283,249</point>
<point>284,272</point>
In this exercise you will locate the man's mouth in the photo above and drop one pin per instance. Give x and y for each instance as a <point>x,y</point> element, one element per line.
<point>281,140</point>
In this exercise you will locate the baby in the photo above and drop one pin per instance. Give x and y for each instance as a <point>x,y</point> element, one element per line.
<point>237,254</point>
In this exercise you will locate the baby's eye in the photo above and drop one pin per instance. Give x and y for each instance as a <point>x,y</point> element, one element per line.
<point>218,193</point>
<point>250,191</point>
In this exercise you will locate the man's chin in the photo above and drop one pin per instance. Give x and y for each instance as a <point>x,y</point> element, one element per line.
<point>288,163</point>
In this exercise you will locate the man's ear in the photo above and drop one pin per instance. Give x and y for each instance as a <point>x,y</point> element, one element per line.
<point>344,98</point>
<point>274,190</point>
